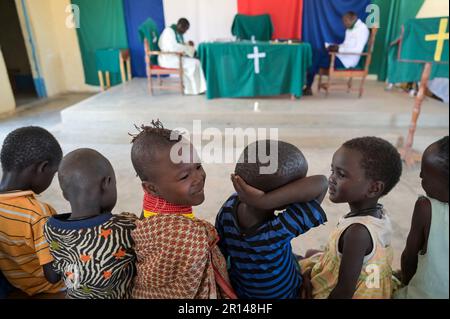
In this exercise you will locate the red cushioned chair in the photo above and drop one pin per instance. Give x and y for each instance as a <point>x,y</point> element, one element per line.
<point>333,73</point>
<point>154,69</point>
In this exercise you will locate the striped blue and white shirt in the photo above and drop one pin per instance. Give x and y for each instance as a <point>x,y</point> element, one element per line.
<point>261,262</point>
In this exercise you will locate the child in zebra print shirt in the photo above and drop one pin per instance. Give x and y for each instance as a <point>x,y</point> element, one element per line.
<point>92,248</point>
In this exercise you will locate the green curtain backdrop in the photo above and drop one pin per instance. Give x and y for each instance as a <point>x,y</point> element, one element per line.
<point>102,26</point>
<point>379,48</point>
<point>394,13</point>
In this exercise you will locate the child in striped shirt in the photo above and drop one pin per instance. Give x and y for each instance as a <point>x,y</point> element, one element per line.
<point>256,241</point>
<point>30,157</point>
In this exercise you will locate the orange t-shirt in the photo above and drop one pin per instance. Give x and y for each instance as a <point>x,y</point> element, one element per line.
<point>23,248</point>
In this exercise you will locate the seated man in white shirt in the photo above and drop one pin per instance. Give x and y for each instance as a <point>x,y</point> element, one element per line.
<point>356,37</point>
<point>172,40</point>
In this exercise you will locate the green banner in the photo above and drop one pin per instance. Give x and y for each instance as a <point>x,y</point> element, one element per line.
<point>425,40</point>
<point>402,72</point>
<point>393,14</point>
<point>246,69</point>
<point>102,26</point>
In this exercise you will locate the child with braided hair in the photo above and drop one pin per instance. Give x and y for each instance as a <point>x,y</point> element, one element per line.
<point>177,253</point>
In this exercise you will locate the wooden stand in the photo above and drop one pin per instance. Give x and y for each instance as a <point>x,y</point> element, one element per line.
<point>124,61</point>
<point>102,83</point>
<point>100,79</point>
<point>409,156</point>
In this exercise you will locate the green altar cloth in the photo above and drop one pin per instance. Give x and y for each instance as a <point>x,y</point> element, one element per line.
<point>246,26</point>
<point>234,70</point>
<point>409,54</point>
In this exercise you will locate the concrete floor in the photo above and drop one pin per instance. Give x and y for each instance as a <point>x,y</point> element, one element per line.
<point>317,125</point>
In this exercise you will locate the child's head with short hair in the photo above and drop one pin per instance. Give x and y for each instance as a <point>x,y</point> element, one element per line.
<point>434,172</point>
<point>168,165</point>
<point>289,160</point>
<point>31,154</point>
<point>87,177</point>
<point>364,168</point>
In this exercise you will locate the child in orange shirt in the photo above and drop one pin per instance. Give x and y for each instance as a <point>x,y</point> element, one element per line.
<point>30,157</point>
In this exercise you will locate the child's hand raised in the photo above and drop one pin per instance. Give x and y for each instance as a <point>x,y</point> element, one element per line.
<point>248,194</point>
<point>298,191</point>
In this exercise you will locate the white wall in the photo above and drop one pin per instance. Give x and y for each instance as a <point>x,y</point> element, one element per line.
<point>69,49</point>
<point>7,103</point>
<point>210,19</point>
<point>434,8</point>
<point>57,47</point>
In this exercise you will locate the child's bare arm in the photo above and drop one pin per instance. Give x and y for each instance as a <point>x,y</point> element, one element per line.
<point>420,225</point>
<point>50,274</point>
<point>301,190</point>
<point>306,288</point>
<point>356,243</point>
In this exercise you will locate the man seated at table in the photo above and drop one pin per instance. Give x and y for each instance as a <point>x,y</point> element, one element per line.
<point>356,37</point>
<point>172,40</point>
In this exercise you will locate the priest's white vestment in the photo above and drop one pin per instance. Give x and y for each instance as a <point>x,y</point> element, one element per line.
<point>193,77</point>
<point>355,41</point>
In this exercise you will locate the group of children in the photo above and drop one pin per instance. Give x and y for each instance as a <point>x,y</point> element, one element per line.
<point>169,253</point>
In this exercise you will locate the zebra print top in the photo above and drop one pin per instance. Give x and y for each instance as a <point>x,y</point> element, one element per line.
<point>95,256</point>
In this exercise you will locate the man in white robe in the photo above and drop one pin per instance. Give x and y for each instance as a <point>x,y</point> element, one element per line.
<point>356,37</point>
<point>171,40</point>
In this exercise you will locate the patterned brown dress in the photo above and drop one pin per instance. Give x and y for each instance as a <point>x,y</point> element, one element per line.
<point>178,258</point>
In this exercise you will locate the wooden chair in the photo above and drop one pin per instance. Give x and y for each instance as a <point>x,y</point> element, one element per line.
<point>153,69</point>
<point>349,74</point>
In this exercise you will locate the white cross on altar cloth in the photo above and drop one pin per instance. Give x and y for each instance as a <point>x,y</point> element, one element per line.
<point>256,56</point>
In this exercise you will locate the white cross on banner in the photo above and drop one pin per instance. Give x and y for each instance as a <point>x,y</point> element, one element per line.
<point>256,56</point>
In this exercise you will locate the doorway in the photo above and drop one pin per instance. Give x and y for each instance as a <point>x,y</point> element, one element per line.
<point>12,44</point>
